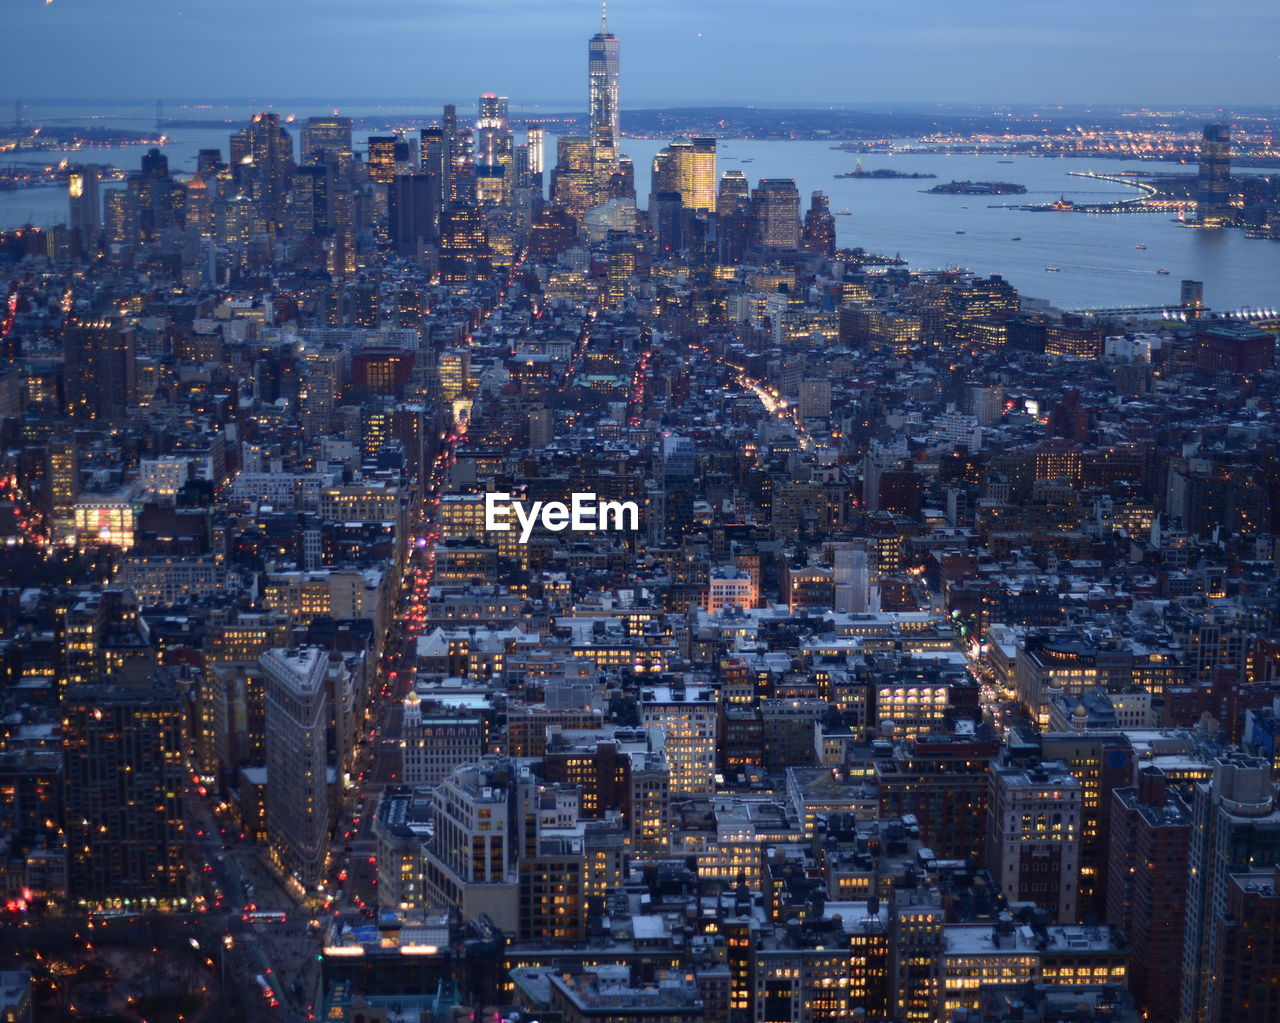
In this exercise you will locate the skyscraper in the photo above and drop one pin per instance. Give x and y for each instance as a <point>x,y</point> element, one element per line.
<point>776,206</point>
<point>820,226</point>
<point>602,75</point>
<point>385,151</point>
<point>100,367</point>
<point>412,214</point>
<point>1235,829</point>
<point>123,748</point>
<point>688,717</point>
<point>86,203</point>
<point>296,722</point>
<point>534,142</point>
<point>494,150</point>
<point>262,158</point>
<point>678,485</point>
<point>602,121</point>
<point>687,166</point>
<point>326,135</point>
<point>1033,835</point>
<point>1147,886</point>
<point>464,245</point>
<point>1213,191</point>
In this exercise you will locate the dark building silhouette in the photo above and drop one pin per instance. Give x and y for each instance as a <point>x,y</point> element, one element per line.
<point>123,746</point>
<point>100,368</point>
<point>412,212</point>
<point>820,226</point>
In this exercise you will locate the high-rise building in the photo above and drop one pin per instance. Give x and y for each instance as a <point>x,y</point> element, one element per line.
<point>574,184</point>
<point>678,486</point>
<point>776,208</point>
<point>122,742</point>
<point>100,368</point>
<point>1101,762</point>
<point>86,203</point>
<point>122,218</point>
<point>200,212</point>
<point>386,153</point>
<point>602,88</point>
<point>1147,884</point>
<point>263,164</point>
<point>1247,960</point>
<point>495,149</point>
<point>1033,835</point>
<point>450,155</point>
<point>464,245</point>
<point>916,955</point>
<point>688,719</point>
<point>473,857</point>
<point>734,190</point>
<point>327,134</point>
<point>1213,187</point>
<point>411,213</point>
<point>820,226</point>
<point>1191,297</point>
<point>433,745</point>
<point>1235,828</point>
<point>534,140</point>
<point>944,781</point>
<point>61,478</point>
<point>622,266</point>
<point>688,167</point>
<point>341,243</point>
<point>733,211</point>
<point>296,723</point>
<point>312,186</point>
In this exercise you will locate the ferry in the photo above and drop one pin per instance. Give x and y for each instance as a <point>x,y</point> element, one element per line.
<point>1162,270</point>
<point>1062,203</point>
<point>1140,247</point>
<point>1051,269</point>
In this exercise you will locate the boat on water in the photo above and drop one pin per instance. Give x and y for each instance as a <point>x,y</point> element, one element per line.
<point>1140,247</point>
<point>964,206</point>
<point>1162,270</point>
<point>1016,238</point>
<point>841,213</point>
<point>1051,269</point>
<point>748,159</point>
<point>961,231</point>
<point>1004,161</point>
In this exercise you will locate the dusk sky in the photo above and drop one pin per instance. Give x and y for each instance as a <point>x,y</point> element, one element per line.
<point>1190,52</point>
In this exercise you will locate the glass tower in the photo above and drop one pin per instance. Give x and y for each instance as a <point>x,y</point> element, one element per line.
<point>602,75</point>
<point>1213,194</point>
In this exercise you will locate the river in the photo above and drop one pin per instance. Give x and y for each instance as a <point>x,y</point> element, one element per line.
<point>1096,255</point>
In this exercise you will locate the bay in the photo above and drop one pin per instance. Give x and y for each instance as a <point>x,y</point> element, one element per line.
<point>1099,265</point>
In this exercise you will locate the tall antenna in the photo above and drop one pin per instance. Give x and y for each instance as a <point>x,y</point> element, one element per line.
<point>604,17</point>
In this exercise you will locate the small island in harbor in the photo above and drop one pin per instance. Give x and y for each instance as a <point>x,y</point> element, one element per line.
<point>978,188</point>
<point>882,173</point>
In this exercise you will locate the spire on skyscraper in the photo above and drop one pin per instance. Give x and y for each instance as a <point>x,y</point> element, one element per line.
<point>604,17</point>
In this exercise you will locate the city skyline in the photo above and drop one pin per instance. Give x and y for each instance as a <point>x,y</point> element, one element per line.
<point>817,52</point>
<point>438,584</point>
